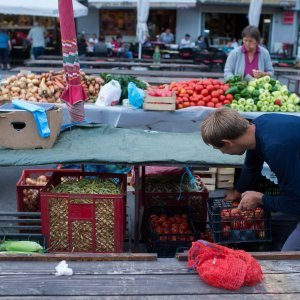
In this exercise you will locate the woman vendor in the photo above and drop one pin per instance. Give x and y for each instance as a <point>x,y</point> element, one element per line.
<point>250,59</point>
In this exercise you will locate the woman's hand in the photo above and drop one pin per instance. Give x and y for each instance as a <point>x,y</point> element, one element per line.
<point>259,74</point>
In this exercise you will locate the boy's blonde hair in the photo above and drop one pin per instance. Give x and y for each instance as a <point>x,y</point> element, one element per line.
<point>222,124</point>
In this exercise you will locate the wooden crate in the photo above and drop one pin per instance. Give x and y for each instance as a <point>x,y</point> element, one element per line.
<point>159,103</point>
<point>225,178</point>
<point>208,177</point>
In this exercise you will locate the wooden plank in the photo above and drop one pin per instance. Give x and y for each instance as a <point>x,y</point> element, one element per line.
<point>183,74</point>
<point>276,255</point>
<point>160,106</point>
<point>77,256</point>
<point>138,285</point>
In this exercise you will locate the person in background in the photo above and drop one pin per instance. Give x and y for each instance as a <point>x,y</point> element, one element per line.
<point>93,40</point>
<point>250,59</point>
<point>234,43</point>
<point>186,42</point>
<point>270,138</point>
<point>100,48</point>
<point>5,47</point>
<point>119,48</point>
<point>82,45</point>
<point>167,37</point>
<point>147,42</point>
<point>262,43</point>
<point>201,43</point>
<point>36,36</point>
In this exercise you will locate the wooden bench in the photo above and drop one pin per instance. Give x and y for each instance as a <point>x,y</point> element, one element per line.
<point>109,64</point>
<point>147,73</point>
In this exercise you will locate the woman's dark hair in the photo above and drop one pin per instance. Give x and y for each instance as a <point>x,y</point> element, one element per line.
<point>252,32</point>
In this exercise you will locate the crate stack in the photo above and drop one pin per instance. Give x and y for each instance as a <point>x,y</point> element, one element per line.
<point>225,178</point>
<point>208,177</point>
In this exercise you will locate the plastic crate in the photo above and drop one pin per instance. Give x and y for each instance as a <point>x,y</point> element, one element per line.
<point>84,222</point>
<point>167,245</point>
<point>23,189</point>
<point>267,187</point>
<point>237,228</point>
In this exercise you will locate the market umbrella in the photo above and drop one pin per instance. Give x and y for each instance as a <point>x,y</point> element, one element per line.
<point>141,27</point>
<point>254,12</point>
<point>73,94</point>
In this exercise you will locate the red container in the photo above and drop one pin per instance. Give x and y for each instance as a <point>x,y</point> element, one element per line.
<point>84,222</point>
<point>28,195</point>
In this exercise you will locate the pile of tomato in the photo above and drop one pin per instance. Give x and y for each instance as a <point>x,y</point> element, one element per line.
<point>234,219</point>
<point>204,92</point>
<point>175,228</point>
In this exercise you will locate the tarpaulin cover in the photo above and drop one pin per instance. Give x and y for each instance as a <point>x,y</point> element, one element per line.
<point>104,144</point>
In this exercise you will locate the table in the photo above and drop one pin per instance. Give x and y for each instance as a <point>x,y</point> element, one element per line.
<point>285,71</point>
<point>147,73</point>
<point>164,278</point>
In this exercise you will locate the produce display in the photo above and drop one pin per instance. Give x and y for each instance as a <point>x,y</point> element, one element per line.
<point>124,80</point>
<point>46,87</point>
<point>31,195</point>
<point>175,228</point>
<point>204,92</point>
<point>159,91</point>
<point>87,186</point>
<point>21,247</point>
<point>264,94</point>
<point>234,219</point>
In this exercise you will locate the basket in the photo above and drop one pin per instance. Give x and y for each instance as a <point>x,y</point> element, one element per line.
<point>28,196</point>
<point>168,244</point>
<point>84,222</point>
<point>231,227</point>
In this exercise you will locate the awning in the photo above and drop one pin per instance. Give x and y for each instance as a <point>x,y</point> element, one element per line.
<point>282,3</point>
<point>44,8</point>
<point>133,3</point>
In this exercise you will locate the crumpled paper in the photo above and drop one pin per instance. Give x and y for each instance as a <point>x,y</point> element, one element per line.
<point>63,269</point>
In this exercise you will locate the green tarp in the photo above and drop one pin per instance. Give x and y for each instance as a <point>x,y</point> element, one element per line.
<point>105,144</point>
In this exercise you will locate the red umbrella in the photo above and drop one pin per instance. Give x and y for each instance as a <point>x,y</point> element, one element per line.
<point>74,94</point>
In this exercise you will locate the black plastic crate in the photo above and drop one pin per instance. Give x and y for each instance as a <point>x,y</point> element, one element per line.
<point>168,244</point>
<point>267,187</point>
<point>230,227</point>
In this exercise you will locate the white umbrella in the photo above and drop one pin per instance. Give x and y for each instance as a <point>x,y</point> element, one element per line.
<point>254,12</point>
<point>44,8</point>
<point>141,27</point>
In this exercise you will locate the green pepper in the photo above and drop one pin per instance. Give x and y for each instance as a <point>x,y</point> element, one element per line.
<point>244,92</point>
<point>255,93</point>
<point>272,81</point>
<point>237,96</point>
<point>232,90</point>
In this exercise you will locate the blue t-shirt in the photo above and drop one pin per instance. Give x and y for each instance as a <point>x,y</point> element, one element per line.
<point>277,144</point>
<point>4,40</point>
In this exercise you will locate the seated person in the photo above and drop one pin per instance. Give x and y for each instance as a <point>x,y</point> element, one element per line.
<point>167,37</point>
<point>201,43</point>
<point>186,42</point>
<point>119,49</point>
<point>100,48</point>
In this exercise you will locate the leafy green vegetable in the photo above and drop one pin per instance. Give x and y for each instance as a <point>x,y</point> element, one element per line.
<point>123,80</point>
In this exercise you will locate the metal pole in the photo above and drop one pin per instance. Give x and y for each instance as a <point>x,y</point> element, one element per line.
<point>140,50</point>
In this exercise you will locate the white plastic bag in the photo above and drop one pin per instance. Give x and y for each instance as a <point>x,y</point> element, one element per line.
<point>109,94</point>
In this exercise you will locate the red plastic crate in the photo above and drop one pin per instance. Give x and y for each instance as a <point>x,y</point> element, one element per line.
<point>23,188</point>
<point>83,222</point>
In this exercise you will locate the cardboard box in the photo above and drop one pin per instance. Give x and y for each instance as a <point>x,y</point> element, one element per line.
<point>18,129</point>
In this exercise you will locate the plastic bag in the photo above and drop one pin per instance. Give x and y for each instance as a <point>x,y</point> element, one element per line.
<point>39,115</point>
<point>222,267</point>
<point>109,94</point>
<point>135,95</point>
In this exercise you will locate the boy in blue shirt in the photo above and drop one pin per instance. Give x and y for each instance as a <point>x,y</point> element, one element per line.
<point>5,47</point>
<point>270,138</point>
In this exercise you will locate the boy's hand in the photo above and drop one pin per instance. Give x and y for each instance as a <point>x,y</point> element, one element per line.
<point>250,200</point>
<point>232,195</point>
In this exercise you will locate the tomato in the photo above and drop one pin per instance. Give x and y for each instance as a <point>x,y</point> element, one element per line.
<point>180,106</point>
<point>210,87</point>
<point>185,99</point>
<point>210,104</point>
<point>207,98</point>
<point>166,224</point>
<point>192,104</point>
<point>201,103</point>
<point>226,102</point>
<point>229,97</point>
<point>215,94</point>
<point>174,230</point>
<point>222,97</point>
<point>199,88</point>
<point>215,100</point>
<point>183,226</point>
<point>186,104</point>
<point>190,92</point>
<point>220,104</point>
<point>204,92</point>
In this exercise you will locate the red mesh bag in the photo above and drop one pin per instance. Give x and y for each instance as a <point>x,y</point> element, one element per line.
<point>223,267</point>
